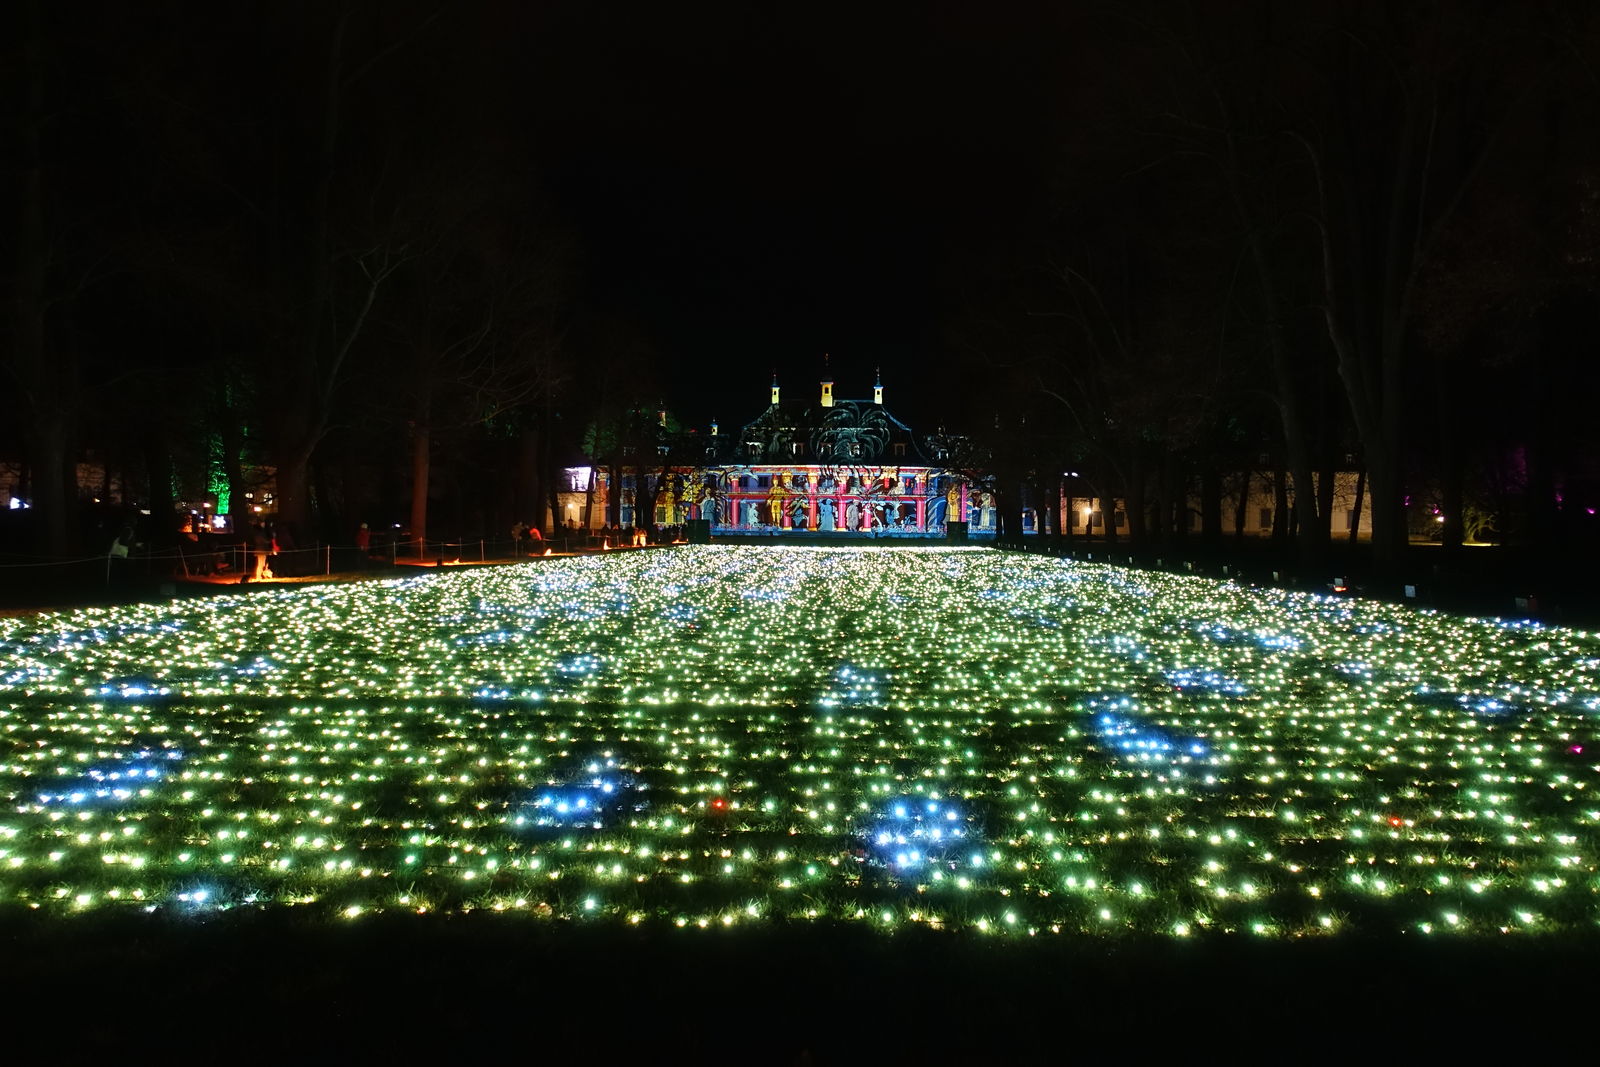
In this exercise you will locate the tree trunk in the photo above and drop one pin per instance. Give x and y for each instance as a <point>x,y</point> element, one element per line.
<point>328,509</point>
<point>52,483</point>
<point>1008,511</point>
<point>421,464</point>
<point>158,468</point>
<point>1389,533</point>
<point>1052,510</point>
<point>1211,505</point>
<point>1280,505</point>
<point>293,490</point>
<point>524,501</point>
<point>1355,512</point>
<point>1326,482</point>
<point>1241,510</point>
<point>1135,498</point>
<point>1453,530</point>
<point>46,379</point>
<point>588,499</point>
<point>645,490</point>
<point>1161,532</point>
<point>352,499</point>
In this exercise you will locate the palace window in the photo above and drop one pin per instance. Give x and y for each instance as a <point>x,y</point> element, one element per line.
<point>797,449</point>
<point>899,448</point>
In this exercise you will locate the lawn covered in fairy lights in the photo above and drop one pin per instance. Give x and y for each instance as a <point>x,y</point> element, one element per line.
<point>727,736</point>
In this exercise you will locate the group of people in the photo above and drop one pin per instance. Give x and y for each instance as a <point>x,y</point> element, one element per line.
<point>527,531</point>
<point>637,536</point>
<point>262,541</point>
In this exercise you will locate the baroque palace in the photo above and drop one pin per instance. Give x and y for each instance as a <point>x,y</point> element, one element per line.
<point>827,465</point>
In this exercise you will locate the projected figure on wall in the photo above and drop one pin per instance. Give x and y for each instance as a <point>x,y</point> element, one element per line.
<point>981,511</point>
<point>776,495</point>
<point>825,514</point>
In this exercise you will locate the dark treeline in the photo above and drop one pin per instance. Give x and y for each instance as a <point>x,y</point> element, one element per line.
<point>1262,239</point>
<point>1311,238</point>
<point>249,238</point>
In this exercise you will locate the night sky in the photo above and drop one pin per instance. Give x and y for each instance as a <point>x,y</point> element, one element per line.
<point>1151,233</point>
<point>753,192</point>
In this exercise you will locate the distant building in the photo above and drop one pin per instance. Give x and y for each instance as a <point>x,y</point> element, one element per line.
<point>830,464</point>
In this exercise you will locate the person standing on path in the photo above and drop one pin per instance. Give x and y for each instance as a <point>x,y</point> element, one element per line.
<point>260,548</point>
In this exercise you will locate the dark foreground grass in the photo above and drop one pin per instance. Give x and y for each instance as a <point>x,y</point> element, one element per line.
<point>276,986</point>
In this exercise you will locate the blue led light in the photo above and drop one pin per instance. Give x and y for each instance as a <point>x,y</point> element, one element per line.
<point>119,782</point>
<point>1140,742</point>
<point>1211,681</point>
<point>587,798</point>
<point>914,831</point>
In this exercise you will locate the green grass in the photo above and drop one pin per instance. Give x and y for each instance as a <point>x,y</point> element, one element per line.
<point>1129,758</point>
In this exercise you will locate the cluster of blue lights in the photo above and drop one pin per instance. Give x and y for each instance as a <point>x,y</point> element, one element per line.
<point>1139,741</point>
<point>579,665</point>
<point>131,689</point>
<point>118,783</point>
<point>1211,681</point>
<point>586,799</point>
<point>853,688</point>
<point>913,831</point>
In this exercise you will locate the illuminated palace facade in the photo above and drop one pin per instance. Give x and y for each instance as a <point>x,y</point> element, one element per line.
<point>829,465</point>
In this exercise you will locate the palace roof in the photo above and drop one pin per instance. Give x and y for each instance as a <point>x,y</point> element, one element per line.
<point>845,433</point>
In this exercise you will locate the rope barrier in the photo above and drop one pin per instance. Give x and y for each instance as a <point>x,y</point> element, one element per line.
<point>187,554</point>
<point>59,562</point>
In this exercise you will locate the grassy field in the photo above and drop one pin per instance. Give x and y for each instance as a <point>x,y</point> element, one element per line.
<point>759,767</point>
